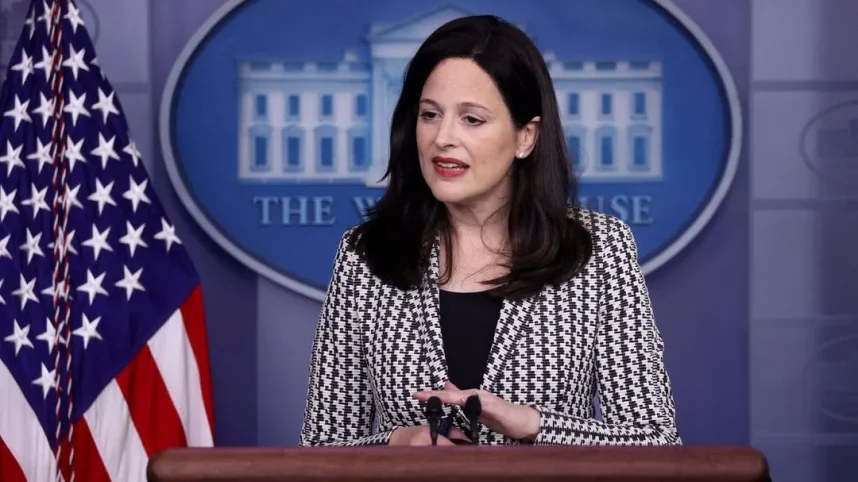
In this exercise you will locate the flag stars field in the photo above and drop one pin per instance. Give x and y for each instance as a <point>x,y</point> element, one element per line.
<point>101,313</point>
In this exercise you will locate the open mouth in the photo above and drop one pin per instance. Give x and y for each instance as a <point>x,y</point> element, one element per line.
<point>449,167</point>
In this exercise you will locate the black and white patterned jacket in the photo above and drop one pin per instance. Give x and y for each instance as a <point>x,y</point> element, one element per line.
<point>376,345</point>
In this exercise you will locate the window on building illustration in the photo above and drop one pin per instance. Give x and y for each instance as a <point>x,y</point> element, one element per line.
<point>327,105</point>
<point>292,147</point>
<point>360,105</point>
<point>573,106</point>
<point>639,152</point>
<point>607,151</point>
<point>639,108</point>
<point>293,152</point>
<point>606,105</point>
<point>294,106</point>
<point>259,148</point>
<point>261,107</point>
<point>360,159</point>
<point>260,151</point>
<point>638,142</point>
<point>326,152</point>
<point>325,142</point>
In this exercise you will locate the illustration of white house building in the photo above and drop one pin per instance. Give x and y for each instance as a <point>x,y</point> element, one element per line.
<point>328,122</point>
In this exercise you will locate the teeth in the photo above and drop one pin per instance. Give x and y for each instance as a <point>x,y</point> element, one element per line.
<point>450,166</point>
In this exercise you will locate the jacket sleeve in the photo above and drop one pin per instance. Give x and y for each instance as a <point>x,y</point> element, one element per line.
<point>634,389</point>
<point>339,408</point>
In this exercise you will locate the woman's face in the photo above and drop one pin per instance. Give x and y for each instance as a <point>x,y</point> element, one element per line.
<point>466,138</point>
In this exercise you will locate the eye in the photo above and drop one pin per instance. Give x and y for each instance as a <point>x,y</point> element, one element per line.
<point>428,115</point>
<point>473,120</point>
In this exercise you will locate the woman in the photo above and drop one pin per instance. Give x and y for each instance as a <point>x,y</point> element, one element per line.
<point>473,274</point>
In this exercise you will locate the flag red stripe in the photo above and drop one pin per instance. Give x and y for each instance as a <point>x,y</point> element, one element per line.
<point>10,471</point>
<point>149,404</point>
<point>193,315</point>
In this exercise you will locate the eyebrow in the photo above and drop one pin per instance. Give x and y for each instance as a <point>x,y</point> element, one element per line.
<point>461,104</point>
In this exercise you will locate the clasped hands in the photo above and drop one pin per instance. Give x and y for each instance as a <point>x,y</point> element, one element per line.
<point>510,419</point>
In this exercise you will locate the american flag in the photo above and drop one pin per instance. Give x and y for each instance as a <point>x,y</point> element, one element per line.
<point>103,351</point>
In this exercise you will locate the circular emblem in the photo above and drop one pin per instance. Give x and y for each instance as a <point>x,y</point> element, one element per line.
<point>829,143</point>
<point>275,119</point>
<point>825,392</point>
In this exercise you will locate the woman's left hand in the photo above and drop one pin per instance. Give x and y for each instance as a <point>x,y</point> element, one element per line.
<point>510,419</point>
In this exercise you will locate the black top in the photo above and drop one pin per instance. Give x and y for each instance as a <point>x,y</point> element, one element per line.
<point>468,322</point>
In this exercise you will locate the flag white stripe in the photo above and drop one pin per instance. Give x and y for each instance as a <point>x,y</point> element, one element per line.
<point>171,349</point>
<point>22,433</point>
<point>116,437</point>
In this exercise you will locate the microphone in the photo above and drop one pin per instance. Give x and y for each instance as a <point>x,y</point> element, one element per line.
<point>433,413</point>
<point>473,409</point>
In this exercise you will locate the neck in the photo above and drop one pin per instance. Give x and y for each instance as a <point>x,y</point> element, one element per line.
<point>485,222</point>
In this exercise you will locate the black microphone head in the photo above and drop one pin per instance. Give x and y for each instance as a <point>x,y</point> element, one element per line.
<point>433,412</point>
<point>473,407</point>
<point>433,405</point>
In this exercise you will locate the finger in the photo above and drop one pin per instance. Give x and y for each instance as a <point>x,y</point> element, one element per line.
<point>450,386</point>
<point>427,394</point>
<point>452,397</point>
<point>458,434</point>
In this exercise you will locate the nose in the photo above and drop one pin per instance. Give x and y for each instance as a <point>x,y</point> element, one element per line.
<point>446,135</point>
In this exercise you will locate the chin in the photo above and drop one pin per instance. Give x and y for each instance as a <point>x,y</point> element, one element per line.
<point>449,194</point>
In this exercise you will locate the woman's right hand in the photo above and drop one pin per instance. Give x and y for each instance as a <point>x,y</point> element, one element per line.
<point>419,436</point>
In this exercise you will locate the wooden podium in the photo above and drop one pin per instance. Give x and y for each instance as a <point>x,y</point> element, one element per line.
<point>460,463</point>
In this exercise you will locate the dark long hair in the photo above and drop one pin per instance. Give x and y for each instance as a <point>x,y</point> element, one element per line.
<point>547,246</point>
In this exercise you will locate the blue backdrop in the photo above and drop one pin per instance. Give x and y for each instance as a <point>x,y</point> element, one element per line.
<point>757,311</point>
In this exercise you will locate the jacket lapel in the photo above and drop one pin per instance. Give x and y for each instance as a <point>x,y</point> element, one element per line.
<point>514,321</point>
<point>430,328</point>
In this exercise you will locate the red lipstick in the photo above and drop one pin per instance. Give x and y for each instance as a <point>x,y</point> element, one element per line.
<point>449,166</point>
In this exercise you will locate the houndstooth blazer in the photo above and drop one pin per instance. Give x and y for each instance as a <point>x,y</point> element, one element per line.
<point>376,345</point>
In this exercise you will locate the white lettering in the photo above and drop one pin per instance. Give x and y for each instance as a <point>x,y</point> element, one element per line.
<point>265,214</point>
<point>364,203</point>
<point>296,211</point>
<point>634,210</point>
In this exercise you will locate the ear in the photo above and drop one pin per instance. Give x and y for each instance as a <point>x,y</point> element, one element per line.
<point>526,138</point>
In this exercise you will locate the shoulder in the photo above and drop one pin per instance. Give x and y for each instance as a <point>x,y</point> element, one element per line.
<point>347,260</point>
<point>346,248</point>
<point>614,263</point>
<point>613,240</point>
<point>605,229</point>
